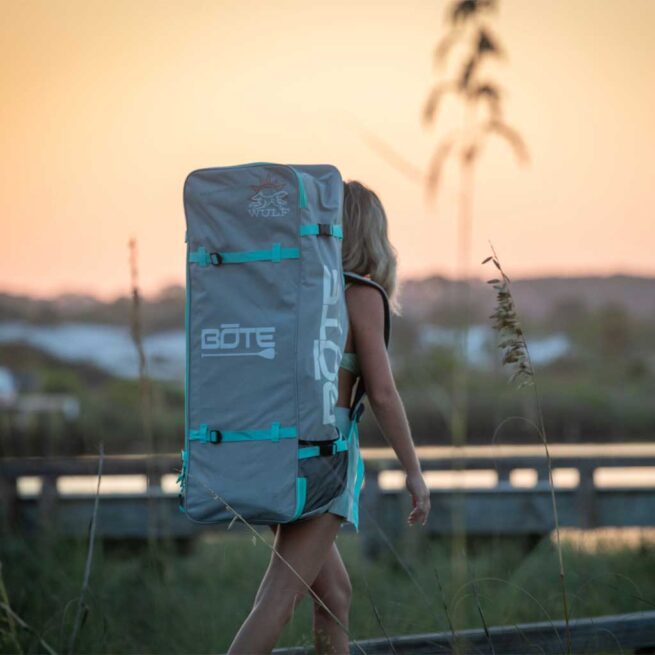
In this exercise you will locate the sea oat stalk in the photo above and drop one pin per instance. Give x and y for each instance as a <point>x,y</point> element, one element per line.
<point>515,347</point>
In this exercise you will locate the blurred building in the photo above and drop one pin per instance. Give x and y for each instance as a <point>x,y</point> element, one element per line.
<point>65,404</point>
<point>24,406</point>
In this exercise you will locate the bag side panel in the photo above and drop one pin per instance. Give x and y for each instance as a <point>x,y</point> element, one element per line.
<point>322,311</point>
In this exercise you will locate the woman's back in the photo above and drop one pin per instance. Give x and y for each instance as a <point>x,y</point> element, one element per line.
<point>365,351</point>
<point>349,369</point>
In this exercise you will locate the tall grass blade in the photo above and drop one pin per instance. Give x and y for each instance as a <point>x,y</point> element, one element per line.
<point>82,608</point>
<point>4,596</point>
<point>23,624</point>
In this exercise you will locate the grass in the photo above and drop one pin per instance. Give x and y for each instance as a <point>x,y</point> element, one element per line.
<point>138,603</point>
<point>516,352</point>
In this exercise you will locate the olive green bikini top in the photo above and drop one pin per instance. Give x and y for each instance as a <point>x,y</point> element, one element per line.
<point>349,361</point>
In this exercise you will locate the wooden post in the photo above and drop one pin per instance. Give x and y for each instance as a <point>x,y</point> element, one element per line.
<point>47,504</point>
<point>586,497</point>
<point>542,473</point>
<point>153,477</point>
<point>8,503</point>
<point>503,471</point>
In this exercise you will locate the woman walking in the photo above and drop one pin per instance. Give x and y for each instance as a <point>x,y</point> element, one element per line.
<point>308,554</point>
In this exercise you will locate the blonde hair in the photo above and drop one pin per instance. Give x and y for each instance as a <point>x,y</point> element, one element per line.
<point>366,247</point>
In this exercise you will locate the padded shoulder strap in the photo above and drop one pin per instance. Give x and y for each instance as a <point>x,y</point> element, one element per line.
<point>360,391</point>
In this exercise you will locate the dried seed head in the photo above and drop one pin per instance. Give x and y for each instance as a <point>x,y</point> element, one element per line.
<point>506,323</point>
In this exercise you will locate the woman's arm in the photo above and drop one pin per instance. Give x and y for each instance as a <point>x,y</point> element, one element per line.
<point>366,312</point>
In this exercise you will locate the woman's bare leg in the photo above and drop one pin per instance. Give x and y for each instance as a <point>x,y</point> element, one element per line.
<point>303,546</point>
<point>332,586</point>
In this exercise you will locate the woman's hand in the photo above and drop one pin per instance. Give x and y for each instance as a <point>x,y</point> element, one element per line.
<point>415,484</point>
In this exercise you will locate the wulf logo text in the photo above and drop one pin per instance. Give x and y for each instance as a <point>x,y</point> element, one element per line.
<point>269,199</point>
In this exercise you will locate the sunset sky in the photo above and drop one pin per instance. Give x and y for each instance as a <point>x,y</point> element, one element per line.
<point>107,105</point>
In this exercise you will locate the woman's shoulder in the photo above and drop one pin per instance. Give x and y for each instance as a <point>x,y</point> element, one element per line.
<point>365,302</point>
<point>362,289</point>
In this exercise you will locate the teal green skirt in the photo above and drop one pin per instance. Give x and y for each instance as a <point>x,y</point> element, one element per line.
<point>346,504</point>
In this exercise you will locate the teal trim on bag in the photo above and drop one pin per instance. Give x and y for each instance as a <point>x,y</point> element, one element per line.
<point>181,478</point>
<point>312,229</point>
<point>187,347</point>
<point>358,483</point>
<point>308,451</point>
<point>302,196</point>
<point>200,257</point>
<point>276,253</point>
<point>340,446</point>
<point>301,496</point>
<point>275,433</point>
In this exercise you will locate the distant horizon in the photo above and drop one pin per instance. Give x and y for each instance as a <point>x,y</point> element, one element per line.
<point>157,290</point>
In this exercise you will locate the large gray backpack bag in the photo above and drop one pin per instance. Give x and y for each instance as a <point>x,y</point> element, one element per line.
<point>266,325</point>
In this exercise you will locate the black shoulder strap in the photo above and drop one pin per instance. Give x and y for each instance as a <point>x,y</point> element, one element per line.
<point>360,389</point>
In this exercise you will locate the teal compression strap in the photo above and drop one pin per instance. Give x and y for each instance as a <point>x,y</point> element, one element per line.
<point>275,433</point>
<point>275,254</point>
<point>323,229</point>
<point>200,257</point>
<point>314,451</point>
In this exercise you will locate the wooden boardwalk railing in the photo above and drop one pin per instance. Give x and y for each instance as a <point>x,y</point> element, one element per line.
<point>499,508</point>
<point>601,635</point>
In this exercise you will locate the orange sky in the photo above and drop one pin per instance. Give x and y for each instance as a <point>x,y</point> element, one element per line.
<point>108,104</point>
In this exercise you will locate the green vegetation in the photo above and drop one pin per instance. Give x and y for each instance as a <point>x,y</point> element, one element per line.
<point>167,603</point>
<point>109,410</point>
<point>601,391</point>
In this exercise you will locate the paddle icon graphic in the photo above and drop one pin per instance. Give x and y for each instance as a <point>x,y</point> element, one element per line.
<point>267,353</point>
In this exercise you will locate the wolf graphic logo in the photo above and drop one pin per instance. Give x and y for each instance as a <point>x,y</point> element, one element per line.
<point>269,199</point>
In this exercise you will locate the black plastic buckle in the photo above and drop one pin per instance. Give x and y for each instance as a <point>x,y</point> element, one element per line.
<point>215,436</point>
<point>216,258</point>
<point>326,449</point>
<point>324,230</point>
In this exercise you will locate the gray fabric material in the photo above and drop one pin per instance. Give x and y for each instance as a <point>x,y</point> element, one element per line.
<point>326,479</point>
<point>299,304</point>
